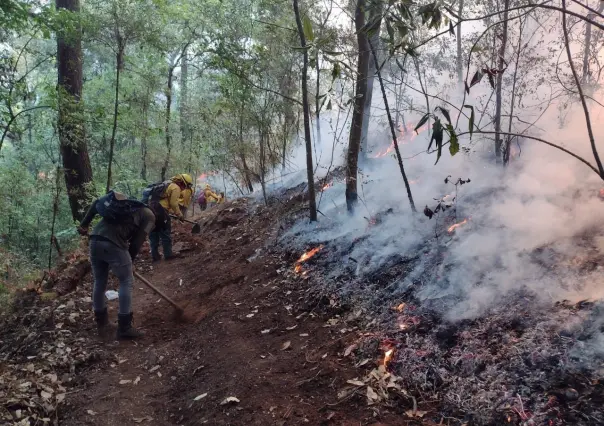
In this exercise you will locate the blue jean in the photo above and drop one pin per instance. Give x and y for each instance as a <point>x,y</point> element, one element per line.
<point>162,234</point>
<point>104,255</point>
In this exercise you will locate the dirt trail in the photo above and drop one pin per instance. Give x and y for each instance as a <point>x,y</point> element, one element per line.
<point>251,338</point>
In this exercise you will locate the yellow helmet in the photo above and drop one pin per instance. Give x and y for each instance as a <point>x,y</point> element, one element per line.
<point>185,178</point>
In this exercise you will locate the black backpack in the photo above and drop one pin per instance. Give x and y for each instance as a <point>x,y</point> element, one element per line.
<point>153,192</point>
<point>117,211</point>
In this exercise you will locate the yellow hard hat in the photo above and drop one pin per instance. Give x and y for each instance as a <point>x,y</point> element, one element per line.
<point>185,178</point>
<point>208,186</point>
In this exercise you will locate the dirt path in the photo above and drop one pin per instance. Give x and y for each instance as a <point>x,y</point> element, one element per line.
<point>251,338</point>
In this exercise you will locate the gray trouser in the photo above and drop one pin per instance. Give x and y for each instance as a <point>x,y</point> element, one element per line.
<point>105,255</point>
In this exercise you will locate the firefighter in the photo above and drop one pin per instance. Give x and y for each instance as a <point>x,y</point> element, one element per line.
<point>169,203</point>
<point>210,196</point>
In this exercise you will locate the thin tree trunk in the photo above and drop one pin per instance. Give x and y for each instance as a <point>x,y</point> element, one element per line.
<point>587,49</point>
<point>164,168</point>
<point>375,20</point>
<point>144,138</point>
<point>312,205</point>
<point>262,164</point>
<point>459,51</point>
<point>55,212</point>
<point>72,134</point>
<point>499,83</point>
<point>184,101</point>
<point>356,127</point>
<point>393,130</point>
<point>508,139</point>
<point>317,101</point>
<point>118,68</point>
<point>580,90</point>
<point>246,170</point>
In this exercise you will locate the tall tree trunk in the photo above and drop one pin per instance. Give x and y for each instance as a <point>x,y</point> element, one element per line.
<point>459,51</point>
<point>587,48</point>
<point>261,135</point>
<point>508,139</point>
<point>144,137</point>
<point>164,168</point>
<point>375,21</point>
<point>356,126</point>
<point>498,85</point>
<point>317,100</point>
<point>72,134</point>
<point>184,100</point>
<point>305,106</point>
<point>392,129</point>
<point>246,170</point>
<point>118,67</point>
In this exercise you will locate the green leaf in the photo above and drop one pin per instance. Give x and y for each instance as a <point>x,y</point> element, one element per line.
<point>336,71</point>
<point>307,28</point>
<point>471,124</point>
<point>437,135</point>
<point>491,80</point>
<point>453,140</point>
<point>328,107</point>
<point>422,122</point>
<point>445,113</point>
<point>451,29</point>
<point>328,52</point>
<point>476,78</point>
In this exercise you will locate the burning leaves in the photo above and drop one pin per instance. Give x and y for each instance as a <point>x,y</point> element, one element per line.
<point>305,256</point>
<point>408,134</point>
<point>453,227</point>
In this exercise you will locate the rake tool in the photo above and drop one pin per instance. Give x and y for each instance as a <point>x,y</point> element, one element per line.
<point>196,227</point>
<point>179,311</point>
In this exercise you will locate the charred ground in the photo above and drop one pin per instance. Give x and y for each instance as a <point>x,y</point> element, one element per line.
<point>314,347</point>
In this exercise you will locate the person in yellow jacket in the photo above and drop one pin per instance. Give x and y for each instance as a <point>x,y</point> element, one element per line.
<point>211,197</point>
<point>184,201</point>
<point>169,201</point>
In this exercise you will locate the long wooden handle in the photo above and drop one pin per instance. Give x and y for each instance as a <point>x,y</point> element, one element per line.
<point>185,220</point>
<point>156,290</point>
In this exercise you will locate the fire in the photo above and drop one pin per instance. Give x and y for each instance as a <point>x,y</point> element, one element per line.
<point>601,193</point>
<point>407,135</point>
<point>326,186</point>
<point>400,307</point>
<point>456,225</point>
<point>388,356</point>
<point>307,255</point>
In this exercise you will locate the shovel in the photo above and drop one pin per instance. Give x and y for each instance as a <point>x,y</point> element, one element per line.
<point>179,311</point>
<point>196,227</point>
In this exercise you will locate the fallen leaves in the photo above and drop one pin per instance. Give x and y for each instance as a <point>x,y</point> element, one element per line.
<point>142,419</point>
<point>202,396</point>
<point>287,345</point>
<point>230,400</point>
<point>125,382</point>
<point>379,382</point>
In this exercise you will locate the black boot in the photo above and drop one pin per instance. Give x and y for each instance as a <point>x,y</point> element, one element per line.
<point>125,329</point>
<point>102,321</point>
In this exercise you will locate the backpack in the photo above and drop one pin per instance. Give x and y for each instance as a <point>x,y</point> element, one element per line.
<point>153,192</point>
<point>117,211</point>
<point>202,198</point>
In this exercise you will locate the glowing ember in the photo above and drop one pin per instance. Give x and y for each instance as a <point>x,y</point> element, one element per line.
<point>457,225</point>
<point>307,255</point>
<point>406,135</point>
<point>388,356</point>
<point>601,193</point>
<point>403,326</point>
<point>326,186</point>
<point>400,307</point>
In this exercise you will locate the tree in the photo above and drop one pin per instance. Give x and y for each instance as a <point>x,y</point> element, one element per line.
<point>501,64</point>
<point>72,134</point>
<point>305,106</point>
<point>356,126</point>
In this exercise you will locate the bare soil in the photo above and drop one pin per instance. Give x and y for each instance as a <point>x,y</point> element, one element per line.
<point>250,332</point>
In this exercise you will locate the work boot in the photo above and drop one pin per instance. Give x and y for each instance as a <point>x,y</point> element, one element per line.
<point>173,256</point>
<point>124,328</point>
<point>155,258</point>
<point>102,321</point>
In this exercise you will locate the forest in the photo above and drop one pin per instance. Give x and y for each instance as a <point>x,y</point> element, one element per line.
<point>119,94</point>
<point>438,161</point>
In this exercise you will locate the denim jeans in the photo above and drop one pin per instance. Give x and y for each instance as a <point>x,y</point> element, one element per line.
<point>104,255</point>
<point>162,234</point>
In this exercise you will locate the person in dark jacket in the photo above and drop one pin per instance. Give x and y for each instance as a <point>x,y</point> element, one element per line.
<point>115,246</point>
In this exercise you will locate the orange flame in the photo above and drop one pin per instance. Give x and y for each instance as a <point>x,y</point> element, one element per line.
<point>326,186</point>
<point>406,135</point>
<point>388,356</point>
<point>307,255</point>
<point>457,225</point>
